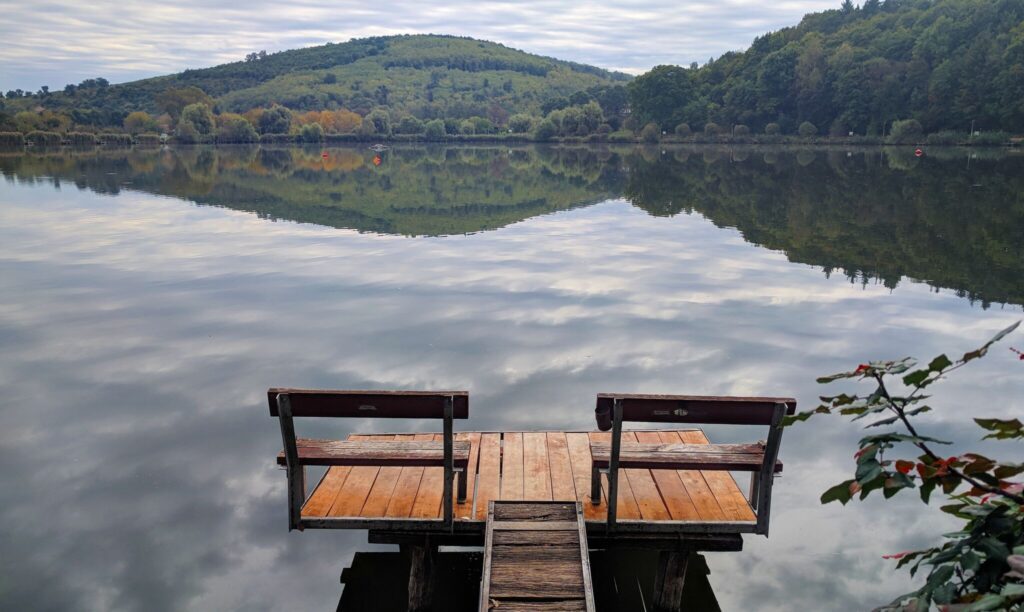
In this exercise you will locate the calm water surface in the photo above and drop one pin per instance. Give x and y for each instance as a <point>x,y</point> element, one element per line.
<point>148,299</point>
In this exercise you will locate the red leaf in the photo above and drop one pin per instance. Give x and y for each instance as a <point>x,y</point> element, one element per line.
<point>898,555</point>
<point>862,368</point>
<point>904,467</point>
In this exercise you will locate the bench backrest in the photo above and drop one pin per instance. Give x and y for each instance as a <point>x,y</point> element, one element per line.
<point>371,404</point>
<point>690,409</point>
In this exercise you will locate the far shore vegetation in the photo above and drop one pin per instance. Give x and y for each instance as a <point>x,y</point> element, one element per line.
<point>935,72</point>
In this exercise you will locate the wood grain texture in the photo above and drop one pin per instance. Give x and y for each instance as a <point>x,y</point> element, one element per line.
<point>708,508</point>
<point>723,486</point>
<point>670,487</point>
<point>465,509</point>
<point>512,466</point>
<point>739,457</point>
<point>489,485</point>
<point>428,498</point>
<point>377,451</point>
<point>536,471</point>
<point>384,486</point>
<point>356,488</point>
<point>563,486</point>
<point>627,506</point>
<point>408,486</point>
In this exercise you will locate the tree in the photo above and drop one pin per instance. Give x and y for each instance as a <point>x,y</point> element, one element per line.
<point>275,120</point>
<point>381,120</point>
<point>520,123</point>
<point>981,565</point>
<point>661,95</point>
<point>807,129</point>
<point>173,100</point>
<point>683,130</point>
<point>545,130</point>
<point>650,133</point>
<point>235,128</point>
<point>138,122</point>
<point>409,125</point>
<point>772,129</point>
<point>311,133</point>
<point>200,116</point>
<point>467,127</point>
<point>712,129</point>
<point>847,7</point>
<point>907,131</point>
<point>434,130</point>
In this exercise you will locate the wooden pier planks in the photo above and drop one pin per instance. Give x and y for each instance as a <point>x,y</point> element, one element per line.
<point>536,558</point>
<point>531,466</point>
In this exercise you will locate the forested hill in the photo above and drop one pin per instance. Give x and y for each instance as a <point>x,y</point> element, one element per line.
<point>943,63</point>
<point>423,75</point>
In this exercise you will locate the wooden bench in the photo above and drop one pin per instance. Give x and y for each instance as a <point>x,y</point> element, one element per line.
<point>761,458</point>
<point>452,455</point>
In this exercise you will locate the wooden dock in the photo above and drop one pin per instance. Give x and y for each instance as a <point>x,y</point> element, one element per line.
<point>531,466</point>
<point>536,558</point>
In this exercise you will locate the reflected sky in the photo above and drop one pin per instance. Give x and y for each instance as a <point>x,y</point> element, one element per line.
<point>140,332</point>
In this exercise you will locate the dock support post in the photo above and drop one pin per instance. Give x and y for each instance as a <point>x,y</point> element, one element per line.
<point>422,558</point>
<point>668,584</point>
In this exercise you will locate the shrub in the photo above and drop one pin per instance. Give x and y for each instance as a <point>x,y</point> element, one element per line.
<point>81,139</point>
<point>150,139</point>
<point>946,137</point>
<point>683,130</point>
<point>990,139</point>
<point>434,130</point>
<point>381,121</point>
<point>772,129</point>
<point>311,132</point>
<point>43,139</point>
<point>275,120</point>
<point>116,140</point>
<point>807,129</point>
<point>650,133</point>
<point>483,125</point>
<point>604,129</point>
<point>711,129</point>
<point>12,139</point>
<point>200,116</point>
<point>236,129</point>
<point>520,123</point>
<point>621,136</point>
<point>740,130</point>
<point>467,127</point>
<point>139,121</point>
<point>545,130</point>
<point>906,131</point>
<point>409,125</point>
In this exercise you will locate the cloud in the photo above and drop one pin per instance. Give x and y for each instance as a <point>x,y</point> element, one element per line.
<point>62,41</point>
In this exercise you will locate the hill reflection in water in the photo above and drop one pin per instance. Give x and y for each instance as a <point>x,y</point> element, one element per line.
<point>947,219</point>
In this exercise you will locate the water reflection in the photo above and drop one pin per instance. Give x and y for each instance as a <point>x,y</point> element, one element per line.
<point>139,333</point>
<point>873,216</point>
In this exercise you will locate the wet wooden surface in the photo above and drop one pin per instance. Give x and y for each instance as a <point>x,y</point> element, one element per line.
<point>532,466</point>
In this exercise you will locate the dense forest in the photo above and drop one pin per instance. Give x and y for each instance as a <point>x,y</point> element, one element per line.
<point>944,64</point>
<point>903,71</point>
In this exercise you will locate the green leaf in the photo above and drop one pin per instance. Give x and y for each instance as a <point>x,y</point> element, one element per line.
<point>993,548</point>
<point>868,471</point>
<point>939,363</point>
<point>841,493</point>
<point>970,561</point>
<point>980,352</point>
<point>915,378</point>
<point>926,490</point>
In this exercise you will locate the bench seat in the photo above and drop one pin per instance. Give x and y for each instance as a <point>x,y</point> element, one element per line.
<point>391,453</point>
<point>733,457</point>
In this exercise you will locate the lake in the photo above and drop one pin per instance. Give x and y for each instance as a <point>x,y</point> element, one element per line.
<point>150,297</point>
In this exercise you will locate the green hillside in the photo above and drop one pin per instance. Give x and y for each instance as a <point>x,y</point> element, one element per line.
<point>940,63</point>
<point>422,75</point>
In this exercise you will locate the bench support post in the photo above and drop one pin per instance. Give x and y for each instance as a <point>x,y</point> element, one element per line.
<point>670,580</point>
<point>613,462</point>
<point>449,462</point>
<point>762,501</point>
<point>296,472</point>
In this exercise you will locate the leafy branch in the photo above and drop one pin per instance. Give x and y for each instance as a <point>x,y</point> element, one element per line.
<point>980,567</point>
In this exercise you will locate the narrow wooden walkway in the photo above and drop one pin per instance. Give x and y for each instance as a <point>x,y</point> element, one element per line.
<point>536,558</point>
<point>535,466</point>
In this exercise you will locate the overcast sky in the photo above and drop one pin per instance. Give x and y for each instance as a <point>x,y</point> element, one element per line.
<point>54,42</point>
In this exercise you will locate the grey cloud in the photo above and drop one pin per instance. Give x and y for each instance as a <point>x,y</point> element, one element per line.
<point>62,41</point>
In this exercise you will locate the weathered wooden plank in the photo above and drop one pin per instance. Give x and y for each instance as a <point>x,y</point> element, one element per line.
<point>538,525</point>
<point>532,539</point>
<point>428,498</point>
<point>357,486</point>
<point>740,457</point>
<point>488,473</point>
<point>321,500</point>
<point>690,409</point>
<point>563,486</point>
<point>536,470</point>
<point>408,486</point>
<point>734,505</point>
<point>537,512</point>
<point>627,506</point>
<point>465,509</point>
<point>559,605</point>
<point>376,452</point>
<point>578,445</point>
<point>696,487</point>
<point>377,404</point>
<point>512,466</point>
<point>384,486</point>
<point>672,491</point>
<point>645,491</point>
